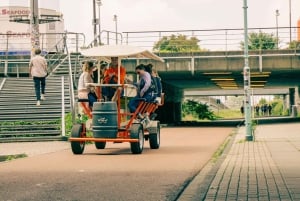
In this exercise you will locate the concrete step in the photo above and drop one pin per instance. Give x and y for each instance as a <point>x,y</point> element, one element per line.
<point>38,117</point>
<point>29,133</point>
<point>33,139</point>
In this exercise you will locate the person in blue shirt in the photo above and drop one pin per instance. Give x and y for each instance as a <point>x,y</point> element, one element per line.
<point>143,88</point>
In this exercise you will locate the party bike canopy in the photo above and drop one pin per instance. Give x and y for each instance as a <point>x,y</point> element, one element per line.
<point>105,52</point>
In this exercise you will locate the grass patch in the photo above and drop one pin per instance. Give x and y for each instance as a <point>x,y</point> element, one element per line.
<point>241,141</point>
<point>228,114</point>
<point>219,151</point>
<point>221,148</point>
<point>12,157</point>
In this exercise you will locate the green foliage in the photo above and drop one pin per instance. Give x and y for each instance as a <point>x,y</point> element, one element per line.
<point>277,106</point>
<point>69,123</point>
<point>197,110</point>
<point>294,45</point>
<point>261,41</point>
<point>18,123</point>
<point>179,43</point>
<point>12,157</point>
<point>262,101</point>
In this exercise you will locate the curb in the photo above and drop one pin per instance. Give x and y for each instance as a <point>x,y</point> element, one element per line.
<point>198,187</point>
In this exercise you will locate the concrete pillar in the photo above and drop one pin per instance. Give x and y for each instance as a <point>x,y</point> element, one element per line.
<point>34,22</point>
<point>291,99</point>
<point>170,112</point>
<point>285,103</point>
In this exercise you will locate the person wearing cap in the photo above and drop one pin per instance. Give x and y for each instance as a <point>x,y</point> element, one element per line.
<point>84,90</point>
<point>111,77</point>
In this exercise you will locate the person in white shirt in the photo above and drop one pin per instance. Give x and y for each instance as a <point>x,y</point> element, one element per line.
<point>85,91</point>
<point>38,71</point>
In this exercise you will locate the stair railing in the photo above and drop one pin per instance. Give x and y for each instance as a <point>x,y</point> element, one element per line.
<point>71,85</point>
<point>63,127</point>
<point>2,83</point>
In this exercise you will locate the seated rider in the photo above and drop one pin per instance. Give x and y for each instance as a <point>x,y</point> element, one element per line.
<point>111,77</point>
<point>143,88</point>
<point>85,91</point>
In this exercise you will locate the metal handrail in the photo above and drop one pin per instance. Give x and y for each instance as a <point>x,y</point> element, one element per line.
<point>2,83</point>
<point>71,86</point>
<point>95,40</point>
<point>63,127</point>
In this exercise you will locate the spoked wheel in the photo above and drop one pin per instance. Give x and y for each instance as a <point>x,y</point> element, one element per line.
<point>154,138</point>
<point>100,145</point>
<point>77,132</point>
<point>137,132</point>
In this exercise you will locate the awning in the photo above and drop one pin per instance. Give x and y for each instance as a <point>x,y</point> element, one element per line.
<point>105,52</point>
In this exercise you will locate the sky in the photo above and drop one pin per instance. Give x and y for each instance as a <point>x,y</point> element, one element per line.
<point>145,15</point>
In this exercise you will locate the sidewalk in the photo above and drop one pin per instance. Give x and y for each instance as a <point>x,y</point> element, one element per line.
<point>32,148</point>
<point>266,169</point>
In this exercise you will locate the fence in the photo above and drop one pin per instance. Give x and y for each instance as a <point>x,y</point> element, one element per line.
<point>212,39</point>
<point>20,43</point>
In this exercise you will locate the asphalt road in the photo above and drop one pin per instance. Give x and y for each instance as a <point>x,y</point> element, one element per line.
<point>113,174</point>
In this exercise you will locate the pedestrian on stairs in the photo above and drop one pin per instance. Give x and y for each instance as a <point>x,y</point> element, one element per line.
<point>38,71</point>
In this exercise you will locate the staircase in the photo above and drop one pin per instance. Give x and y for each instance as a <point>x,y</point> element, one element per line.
<point>21,119</point>
<point>63,67</point>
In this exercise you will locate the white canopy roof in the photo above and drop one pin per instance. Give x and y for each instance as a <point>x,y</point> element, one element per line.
<point>105,52</point>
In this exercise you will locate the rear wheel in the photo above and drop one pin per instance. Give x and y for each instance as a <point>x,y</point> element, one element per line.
<point>100,145</point>
<point>137,132</point>
<point>77,132</point>
<point>154,138</point>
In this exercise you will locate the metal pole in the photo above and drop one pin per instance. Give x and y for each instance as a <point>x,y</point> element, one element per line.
<point>99,19</point>
<point>277,39</point>
<point>63,128</point>
<point>290,14</point>
<point>116,23</point>
<point>34,24</point>
<point>247,104</point>
<point>94,22</point>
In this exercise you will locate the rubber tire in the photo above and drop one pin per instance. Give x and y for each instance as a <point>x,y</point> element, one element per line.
<point>154,138</point>
<point>100,145</point>
<point>137,132</point>
<point>77,147</point>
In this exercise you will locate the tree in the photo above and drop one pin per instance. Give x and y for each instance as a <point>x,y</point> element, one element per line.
<point>261,41</point>
<point>198,110</point>
<point>294,45</point>
<point>179,43</point>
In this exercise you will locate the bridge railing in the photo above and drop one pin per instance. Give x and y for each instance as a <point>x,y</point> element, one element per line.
<point>212,39</point>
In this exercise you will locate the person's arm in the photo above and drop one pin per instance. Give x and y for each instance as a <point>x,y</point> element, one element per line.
<point>147,80</point>
<point>46,65</point>
<point>30,67</point>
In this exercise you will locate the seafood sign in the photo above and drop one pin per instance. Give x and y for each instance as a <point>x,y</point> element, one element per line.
<point>18,37</point>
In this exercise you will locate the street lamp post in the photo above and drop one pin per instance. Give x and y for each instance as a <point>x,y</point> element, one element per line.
<point>246,72</point>
<point>277,39</point>
<point>94,22</point>
<point>99,3</point>
<point>290,16</point>
<point>116,23</point>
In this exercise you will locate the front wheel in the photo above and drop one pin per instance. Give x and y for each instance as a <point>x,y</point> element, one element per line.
<point>137,132</point>
<point>77,132</point>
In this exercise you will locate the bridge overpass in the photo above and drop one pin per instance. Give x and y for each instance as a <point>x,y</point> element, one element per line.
<point>219,73</point>
<point>273,72</point>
